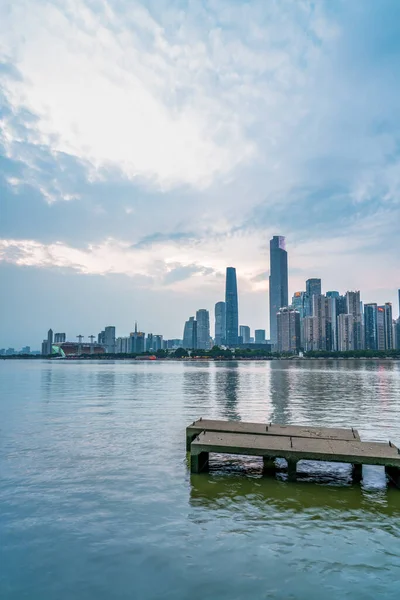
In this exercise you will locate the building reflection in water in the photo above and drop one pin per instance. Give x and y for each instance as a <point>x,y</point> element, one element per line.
<point>227,384</point>
<point>280,392</point>
<point>197,389</point>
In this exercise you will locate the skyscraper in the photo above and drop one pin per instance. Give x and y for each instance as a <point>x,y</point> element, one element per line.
<point>231,308</point>
<point>220,325</point>
<point>138,341</point>
<point>109,339</point>
<point>313,288</point>
<point>388,326</point>
<point>354,309</point>
<point>345,333</point>
<point>203,329</point>
<point>371,326</point>
<point>59,338</point>
<point>190,334</point>
<point>321,310</point>
<point>244,334</point>
<point>259,336</point>
<point>49,341</point>
<point>288,325</point>
<point>278,282</point>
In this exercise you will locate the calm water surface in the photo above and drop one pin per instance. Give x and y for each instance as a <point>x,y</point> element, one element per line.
<point>96,501</point>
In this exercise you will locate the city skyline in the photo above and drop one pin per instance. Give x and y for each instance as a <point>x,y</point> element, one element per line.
<point>266,130</point>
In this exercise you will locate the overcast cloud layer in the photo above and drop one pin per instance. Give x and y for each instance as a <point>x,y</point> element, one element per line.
<point>145,146</point>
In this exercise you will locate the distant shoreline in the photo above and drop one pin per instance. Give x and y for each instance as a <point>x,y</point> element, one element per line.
<point>203,359</point>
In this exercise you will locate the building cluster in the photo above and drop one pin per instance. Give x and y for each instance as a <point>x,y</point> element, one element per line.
<point>329,322</point>
<point>311,321</point>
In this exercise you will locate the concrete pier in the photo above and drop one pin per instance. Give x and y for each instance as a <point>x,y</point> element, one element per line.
<point>294,449</point>
<point>328,433</point>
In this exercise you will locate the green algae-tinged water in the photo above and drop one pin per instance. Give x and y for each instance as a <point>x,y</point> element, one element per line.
<point>96,501</point>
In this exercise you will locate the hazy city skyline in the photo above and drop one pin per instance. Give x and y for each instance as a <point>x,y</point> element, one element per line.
<point>283,118</point>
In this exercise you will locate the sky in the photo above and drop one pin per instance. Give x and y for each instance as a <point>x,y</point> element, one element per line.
<point>147,145</point>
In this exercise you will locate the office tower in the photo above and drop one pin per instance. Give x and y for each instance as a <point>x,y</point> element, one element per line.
<point>190,334</point>
<point>44,348</point>
<point>203,329</point>
<point>332,309</point>
<point>298,303</point>
<point>388,326</point>
<point>59,338</point>
<point>26,350</point>
<point>332,294</point>
<point>231,308</point>
<point>137,341</point>
<point>220,324</point>
<point>313,288</point>
<point>310,332</point>
<point>371,326</point>
<point>259,336</point>
<point>288,324</point>
<point>278,282</point>
<point>101,338</point>
<point>49,341</point>
<point>109,339</point>
<point>158,343</point>
<point>354,309</point>
<point>396,335</point>
<point>345,333</point>
<point>380,326</point>
<point>244,333</point>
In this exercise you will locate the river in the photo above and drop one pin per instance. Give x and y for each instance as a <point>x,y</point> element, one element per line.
<point>96,500</point>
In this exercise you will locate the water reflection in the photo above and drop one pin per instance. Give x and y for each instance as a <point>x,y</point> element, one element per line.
<point>227,380</point>
<point>197,388</point>
<point>227,491</point>
<point>280,392</point>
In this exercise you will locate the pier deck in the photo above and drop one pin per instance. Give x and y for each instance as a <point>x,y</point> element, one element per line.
<point>270,429</point>
<point>294,449</point>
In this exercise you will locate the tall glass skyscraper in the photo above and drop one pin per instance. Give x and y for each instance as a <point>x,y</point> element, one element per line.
<point>220,324</point>
<point>278,283</point>
<point>203,329</point>
<point>371,326</point>
<point>231,308</point>
<point>313,288</point>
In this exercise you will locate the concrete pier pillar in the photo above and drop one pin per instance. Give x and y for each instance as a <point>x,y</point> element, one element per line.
<point>393,474</point>
<point>356,473</point>
<point>199,462</point>
<point>292,470</point>
<point>269,465</point>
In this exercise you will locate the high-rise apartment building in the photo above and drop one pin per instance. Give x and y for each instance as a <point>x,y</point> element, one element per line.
<point>220,324</point>
<point>346,333</point>
<point>137,341</point>
<point>288,322</point>
<point>321,311</point>
<point>313,288</point>
<point>278,283</point>
<point>244,334</point>
<point>380,325</point>
<point>190,334</point>
<point>203,329</point>
<point>354,308</point>
<point>259,336</point>
<point>59,338</point>
<point>371,326</point>
<point>109,339</point>
<point>310,332</point>
<point>231,308</point>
